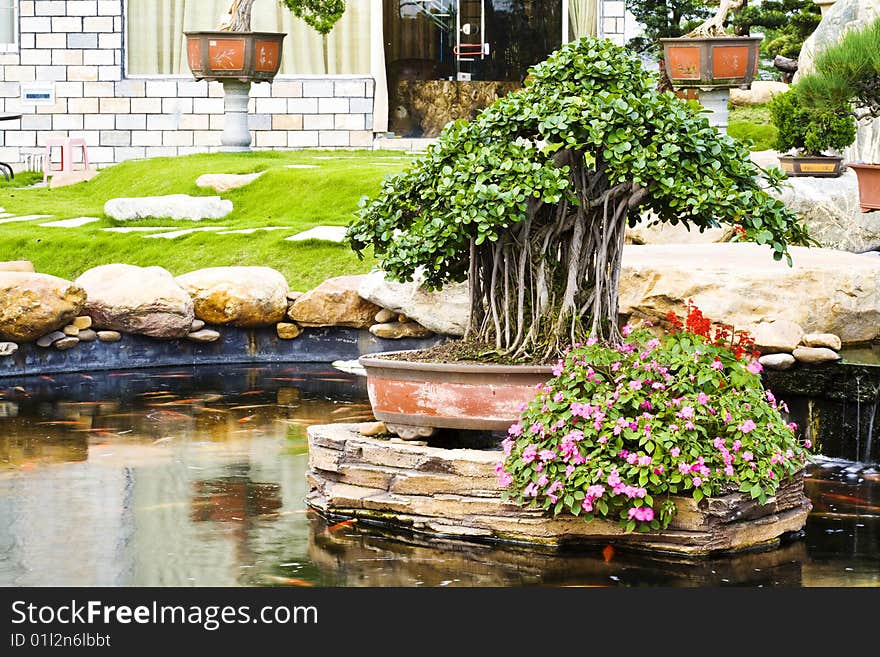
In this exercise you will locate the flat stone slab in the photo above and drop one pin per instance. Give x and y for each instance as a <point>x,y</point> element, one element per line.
<point>251,231</point>
<point>172,206</point>
<point>223,182</point>
<point>180,233</point>
<point>454,493</point>
<point>27,217</point>
<point>326,233</point>
<point>137,229</point>
<point>71,223</point>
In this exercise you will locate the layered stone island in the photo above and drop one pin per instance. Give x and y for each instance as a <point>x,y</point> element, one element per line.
<point>454,494</point>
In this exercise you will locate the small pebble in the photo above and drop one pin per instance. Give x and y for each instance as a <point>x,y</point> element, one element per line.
<point>87,335</point>
<point>197,325</point>
<point>204,335</point>
<point>71,330</point>
<point>109,336</point>
<point>82,322</point>
<point>50,338</point>
<point>66,343</point>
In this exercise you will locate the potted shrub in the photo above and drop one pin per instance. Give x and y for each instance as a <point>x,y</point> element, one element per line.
<point>848,73</point>
<point>529,203</point>
<point>810,131</point>
<point>236,56</point>
<point>709,57</point>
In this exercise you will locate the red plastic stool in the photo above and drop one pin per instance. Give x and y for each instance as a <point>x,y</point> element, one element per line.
<point>67,145</point>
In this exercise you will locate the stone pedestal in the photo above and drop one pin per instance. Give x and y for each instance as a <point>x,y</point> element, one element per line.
<point>715,100</point>
<point>236,133</point>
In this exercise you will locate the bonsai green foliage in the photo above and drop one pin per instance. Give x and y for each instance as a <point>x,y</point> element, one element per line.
<point>322,15</point>
<point>664,18</point>
<point>810,130</point>
<point>529,202</point>
<point>847,73</point>
<point>785,23</point>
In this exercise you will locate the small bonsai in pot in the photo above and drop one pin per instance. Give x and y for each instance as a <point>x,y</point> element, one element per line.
<point>529,202</point>
<point>708,57</point>
<point>848,74</point>
<point>809,131</point>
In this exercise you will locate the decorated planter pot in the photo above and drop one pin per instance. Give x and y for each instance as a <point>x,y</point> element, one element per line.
<point>711,61</point>
<point>243,56</point>
<point>415,399</point>
<point>869,185</point>
<point>825,166</point>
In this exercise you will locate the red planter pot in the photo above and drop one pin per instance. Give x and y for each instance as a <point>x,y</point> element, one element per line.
<point>711,61</point>
<point>869,185</point>
<point>243,56</point>
<point>415,399</point>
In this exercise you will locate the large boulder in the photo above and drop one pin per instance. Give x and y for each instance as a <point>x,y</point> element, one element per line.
<point>173,206</point>
<point>831,212</point>
<point>826,291</point>
<point>444,311</point>
<point>759,93</point>
<point>32,305</point>
<point>240,296</point>
<point>143,300</point>
<point>335,302</point>
<point>842,16</point>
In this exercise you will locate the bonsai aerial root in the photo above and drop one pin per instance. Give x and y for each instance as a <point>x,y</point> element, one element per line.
<point>714,26</point>
<point>532,288</point>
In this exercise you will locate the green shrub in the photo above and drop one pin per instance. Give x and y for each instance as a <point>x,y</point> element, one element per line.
<point>810,130</point>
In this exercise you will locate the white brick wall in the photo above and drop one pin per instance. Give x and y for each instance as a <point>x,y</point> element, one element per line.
<point>78,45</point>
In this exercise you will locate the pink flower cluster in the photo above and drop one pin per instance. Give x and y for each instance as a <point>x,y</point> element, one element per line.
<point>643,513</point>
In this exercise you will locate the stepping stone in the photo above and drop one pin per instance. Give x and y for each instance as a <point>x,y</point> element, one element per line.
<point>3,215</point>
<point>27,217</point>
<point>71,223</point>
<point>326,233</point>
<point>302,166</point>
<point>173,206</point>
<point>180,233</point>
<point>251,231</point>
<point>223,182</point>
<point>137,229</point>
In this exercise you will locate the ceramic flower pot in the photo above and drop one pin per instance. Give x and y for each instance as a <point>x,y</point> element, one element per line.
<point>242,56</point>
<point>711,61</point>
<point>869,185</point>
<point>415,399</point>
<point>823,166</point>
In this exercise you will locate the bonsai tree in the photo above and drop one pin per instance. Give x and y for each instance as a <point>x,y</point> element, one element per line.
<point>809,130</point>
<point>530,201</point>
<point>786,24</point>
<point>664,18</point>
<point>847,74</point>
<point>322,15</point>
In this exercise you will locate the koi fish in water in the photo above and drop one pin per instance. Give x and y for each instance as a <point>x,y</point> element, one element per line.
<point>287,581</point>
<point>342,525</point>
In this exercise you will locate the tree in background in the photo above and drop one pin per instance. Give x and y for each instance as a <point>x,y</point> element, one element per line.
<point>785,23</point>
<point>664,18</point>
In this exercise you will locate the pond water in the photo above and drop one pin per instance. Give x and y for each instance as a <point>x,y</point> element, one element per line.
<point>197,477</point>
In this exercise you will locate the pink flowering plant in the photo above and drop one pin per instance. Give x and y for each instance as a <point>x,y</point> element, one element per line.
<point>622,430</point>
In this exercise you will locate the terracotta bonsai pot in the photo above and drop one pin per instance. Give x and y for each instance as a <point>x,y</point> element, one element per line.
<point>711,61</point>
<point>823,166</point>
<point>243,56</point>
<point>415,399</point>
<point>869,185</point>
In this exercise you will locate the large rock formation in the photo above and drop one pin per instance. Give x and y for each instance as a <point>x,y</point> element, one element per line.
<point>335,302</point>
<point>842,16</point>
<point>444,311</point>
<point>665,233</point>
<point>144,300</point>
<point>240,296</point>
<point>173,206</point>
<point>739,283</point>
<point>830,209</point>
<point>32,305</point>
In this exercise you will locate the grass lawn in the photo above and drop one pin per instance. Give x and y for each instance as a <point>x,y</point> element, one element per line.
<point>752,123</point>
<point>296,198</point>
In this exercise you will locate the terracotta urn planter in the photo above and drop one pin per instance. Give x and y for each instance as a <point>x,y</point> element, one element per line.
<point>869,185</point>
<point>711,61</point>
<point>415,399</point>
<point>242,56</point>
<point>823,166</point>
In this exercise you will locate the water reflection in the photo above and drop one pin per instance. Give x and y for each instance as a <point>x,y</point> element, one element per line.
<point>197,477</point>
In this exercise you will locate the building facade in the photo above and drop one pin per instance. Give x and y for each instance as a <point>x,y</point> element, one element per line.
<point>114,71</point>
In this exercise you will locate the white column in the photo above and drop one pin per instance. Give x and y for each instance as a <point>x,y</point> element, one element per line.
<point>236,132</point>
<point>715,100</point>
<point>377,68</point>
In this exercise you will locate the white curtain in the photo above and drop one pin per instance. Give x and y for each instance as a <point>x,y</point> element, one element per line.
<point>583,18</point>
<point>7,22</point>
<point>155,40</point>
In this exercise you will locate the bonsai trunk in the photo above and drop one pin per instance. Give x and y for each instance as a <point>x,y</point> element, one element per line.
<point>714,26</point>
<point>552,280</point>
<point>238,18</point>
